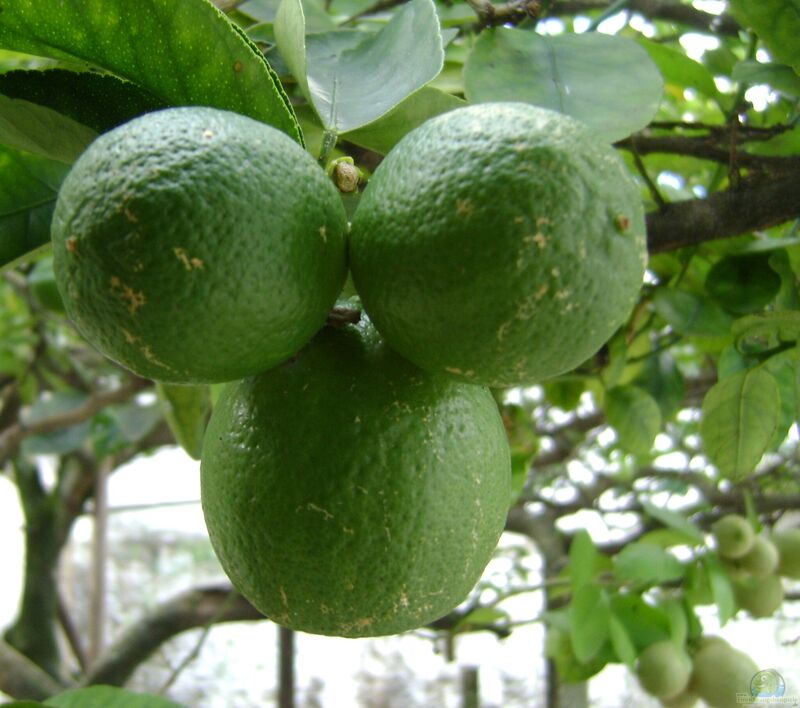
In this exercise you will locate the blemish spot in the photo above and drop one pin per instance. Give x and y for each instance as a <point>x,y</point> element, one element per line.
<point>284,599</point>
<point>541,292</point>
<point>542,221</point>
<point>562,294</point>
<point>208,133</point>
<point>502,331</point>
<point>464,207</point>
<point>582,251</point>
<point>72,244</point>
<point>148,354</point>
<point>130,216</point>
<point>190,263</point>
<point>555,272</point>
<point>313,507</point>
<point>134,298</point>
<point>323,232</point>
<point>131,338</point>
<point>540,239</point>
<point>238,67</point>
<point>519,219</point>
<point>622,222</point>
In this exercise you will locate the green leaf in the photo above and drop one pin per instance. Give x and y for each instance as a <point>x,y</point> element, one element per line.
<point>679,626</point>
<point>589,614</point>
<point>352,79</point>
<point>582,555</point>
<point>674,520</point>
<point>783,368</point>
<point>778,76</point>
<point>98,101</point>
<point>316,19</point>
<point>776,22</point>
<point>28,190</point>
<point>782,325</point>
<point>721,589</point>
<point>743,284</point>
<point>480,618</point>
<point>186,410</point>
<point>662,379</point>
<point>635,416</point>
<point>621,642</point>
<point>107,697</point>
<point>739,417</point>
<point>678,69</point>
<point>668,537</point>
<point>644,623</point>
<point>184,52</point>
<point>62,440</point>
<point>690,314</point>
<point>42,131</point>
<point>564,392</point>
<point>561,73</point>
<point>383,134</point>
<point>642,563</point>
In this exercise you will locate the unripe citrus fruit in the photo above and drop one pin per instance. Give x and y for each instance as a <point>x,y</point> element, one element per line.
<point>348,493</point>
<point>760,596</point>
<point>663,669</point>
<point>198,245</point>
<point>734,536</point>
<point>685,699</point>
<point>760,560</point>
<point>501,243</point>
<point>788,545</point>
<point>720,672</point>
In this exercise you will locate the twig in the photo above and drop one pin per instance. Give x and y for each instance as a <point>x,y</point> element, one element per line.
<point>651,186</point>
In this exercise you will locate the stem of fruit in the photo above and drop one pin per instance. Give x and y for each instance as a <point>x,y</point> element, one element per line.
<point>329,139</point>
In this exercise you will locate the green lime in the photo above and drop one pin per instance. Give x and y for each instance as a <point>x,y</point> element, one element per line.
<point>663,669</point>
<point>721,673</point>
<point>501,243</point>
<point>198,245</point>
<point>788,544</point>
<point>348,493</point>
<point>734,536</point>
<point>760,596</point>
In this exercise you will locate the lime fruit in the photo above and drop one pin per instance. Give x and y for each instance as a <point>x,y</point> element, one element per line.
<point>663,669</point>
<point>347,492</point>
<point>734,536</point>
<point>685,699</point>
<point>760,560</point>
<point>788,544</point>
<point>198,245</point>
<point>720,672</point>
<point>760,596</point>
<point>502,243</point>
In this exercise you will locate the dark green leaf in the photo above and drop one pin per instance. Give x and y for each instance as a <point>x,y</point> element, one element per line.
<point>28,190</point>
<point>743,284</point>
<point>679,626</point>
<point>98,101</point>
<point>776,22</point>
<point>589,614</point>
<point>644,623</point>
<point>679,69</point>
<point>352,79</point>
<point>662,379</point>
<point>674,520</point>
<point>739,417</point>
<point>147,42</point>
<point>561,73</point>
<point>564,392</point>
<point>635,416</point>
<point>186,410</point>
<point>783,369</point>
<point>642,563</point>
<point>107,697</point>
<point>778,76</point>
<point>691,315</point>
<point>42,131</point>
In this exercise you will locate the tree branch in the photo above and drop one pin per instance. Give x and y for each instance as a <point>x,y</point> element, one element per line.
<point>755,205</point>
<point>21,678</point>
<point>198,607</point>
<point>657,10</point>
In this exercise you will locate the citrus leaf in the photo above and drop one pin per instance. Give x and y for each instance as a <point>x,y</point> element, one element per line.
<point>352,79</point>
<point>721,589</point>
<point>643,623</point>
<point>42,131</point>
<point>582,554</point>
<point>743,284</point>
<point>621,642</point>
<point>98,101</point>
<point>779,76</point>
<point>739,417</point>
<point>186,410</point>
<point>107,697</point>
<point>691,315</point>
<point>781,324</point>
<point>678,69</point>
<point>560,72</point>
<point>480,618</point>
<point>147,42</point>
<point>665,538</point>
<point>383,134</point>
<point>776,22</point>
<point>636,417</point>
<point>28,190</point>
<point>661,378</point>
<point>679,626</point>
<point>643,563</point>
<point>588,626</point>
<point>674,520</point>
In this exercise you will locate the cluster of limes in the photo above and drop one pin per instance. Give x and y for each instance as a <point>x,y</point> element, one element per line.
<point>346,490</point>
<point>709,668</point>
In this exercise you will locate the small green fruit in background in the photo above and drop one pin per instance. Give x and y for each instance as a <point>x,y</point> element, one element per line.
<point>500,243</point>
<point>788,545</point>
<point>720,672</point>
<point>685,699</point>
<point>762,558</point>
<point>734,536</point>
<point>663,669</point>
<point>760,596</point>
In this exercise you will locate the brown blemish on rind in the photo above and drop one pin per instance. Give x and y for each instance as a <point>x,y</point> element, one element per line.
<point>134,298</point>
<point>464,207</point>
<point>72,244</point>
<point>238,67</point>
<point>323,232</point>
<point>130,216</point>
<point>622,222</point>
<point>190,263</point>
